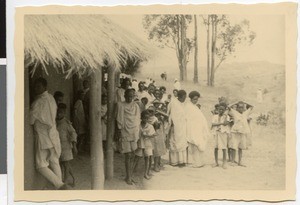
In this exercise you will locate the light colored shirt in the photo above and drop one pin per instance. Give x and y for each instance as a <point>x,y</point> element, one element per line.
<point>135,85</point>
<point>120,95</point>
<point>42,117</point>
<point>177,85</point>
<point>128,120</point>
<point>67,133</point>
<point>146,133</point>
<point>220,128</point>
<point>240,121</point>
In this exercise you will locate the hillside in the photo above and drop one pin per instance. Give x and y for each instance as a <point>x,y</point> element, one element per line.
<point>237,81</point>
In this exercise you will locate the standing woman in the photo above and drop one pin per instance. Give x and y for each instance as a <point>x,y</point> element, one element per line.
<point>197,131</point>
<point>177,137</point>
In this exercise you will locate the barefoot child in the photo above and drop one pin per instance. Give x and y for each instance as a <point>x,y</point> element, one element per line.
<point>128,125</point>
<point>221,132</point>
<point>240,129</point>
<point>145,148</point>
<point>159,117</point>
<point>68,138</point>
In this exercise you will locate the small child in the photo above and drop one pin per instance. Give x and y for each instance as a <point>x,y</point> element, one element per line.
<point>158,118</point>
<point>104,119</point>
<point>240,129</point>
<point>144,102</point>
<point>79,121</point>
<point>216,110</point>
<point>145,148</point>
<point>68,138</point>
<point>221,132</point>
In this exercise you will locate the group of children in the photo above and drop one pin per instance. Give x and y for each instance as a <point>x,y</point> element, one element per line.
<point>231,130</point>
<point>141,126</point>
<point>230,127</point>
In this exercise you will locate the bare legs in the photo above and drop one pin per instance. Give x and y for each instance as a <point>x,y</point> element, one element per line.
<point>67,171</point>
<point>229,154</point>
<point>156,164</point>
<point>240,152</point>
<point>128,167</point>
<point>216,158</point>
<point>147,167</point>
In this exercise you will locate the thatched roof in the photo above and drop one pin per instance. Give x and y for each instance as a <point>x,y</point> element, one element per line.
<point>79,43</point>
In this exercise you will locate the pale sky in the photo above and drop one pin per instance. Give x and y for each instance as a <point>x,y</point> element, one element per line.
<point>269,44</point>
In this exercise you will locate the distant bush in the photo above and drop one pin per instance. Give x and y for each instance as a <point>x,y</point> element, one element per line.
<point>274,117</point>
<point>262,119</point>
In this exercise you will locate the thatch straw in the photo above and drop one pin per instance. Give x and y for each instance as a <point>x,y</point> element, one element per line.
<point>79,43</point>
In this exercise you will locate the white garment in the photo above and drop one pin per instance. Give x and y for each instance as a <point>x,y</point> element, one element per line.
<point>178,140</point>
<point>197,128</point>
<point>42,116</point>
<point>177,85</point>
<point>143,94</point>
<point>135,85</point>
<point>120,95</point>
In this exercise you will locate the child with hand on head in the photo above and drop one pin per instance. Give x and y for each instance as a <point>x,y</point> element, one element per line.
<point>221,132</point>
<point>68,139</point>
<point>240,129</point>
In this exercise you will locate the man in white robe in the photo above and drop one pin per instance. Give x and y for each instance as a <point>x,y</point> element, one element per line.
<point>178,133</point>
<point>197,131</point>
<point>48,148</point>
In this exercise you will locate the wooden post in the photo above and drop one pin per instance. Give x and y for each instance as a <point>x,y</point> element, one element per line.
<point>117,78</point>
<point>96,131</point>
<point>29,168</point>
<point>110,125</point>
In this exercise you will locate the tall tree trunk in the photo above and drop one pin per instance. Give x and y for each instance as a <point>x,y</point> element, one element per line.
<point>214,40</point>
<point>179,46</point>
<point>213,49</point>
<point>183,48</point>
<point>208,49</point>
<point>196,52</point>
<point>111,124</point>
<point>96,131</point>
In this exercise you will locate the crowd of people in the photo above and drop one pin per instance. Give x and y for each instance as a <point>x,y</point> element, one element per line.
<point>149,123</point>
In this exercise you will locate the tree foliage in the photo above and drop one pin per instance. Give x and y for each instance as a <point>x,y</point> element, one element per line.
<point>170,31</point>
<point>223,40</point>
<point>131,66</point>
<point>229,36</point>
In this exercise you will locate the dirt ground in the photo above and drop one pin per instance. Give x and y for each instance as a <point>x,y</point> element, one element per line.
<point>265,170</point>
<point>265,160</point>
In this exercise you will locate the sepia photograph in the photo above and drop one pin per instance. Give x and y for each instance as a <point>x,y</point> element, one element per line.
<point>154,101</point>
